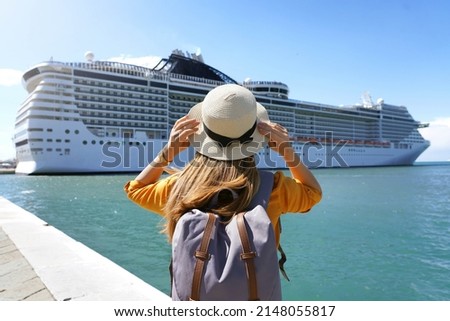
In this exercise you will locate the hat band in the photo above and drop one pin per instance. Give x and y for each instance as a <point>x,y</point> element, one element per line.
<point>225,141</point>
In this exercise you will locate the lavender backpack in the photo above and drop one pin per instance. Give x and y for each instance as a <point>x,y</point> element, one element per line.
<point>236,261</point>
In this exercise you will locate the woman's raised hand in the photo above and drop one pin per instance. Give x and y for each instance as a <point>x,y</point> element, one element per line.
<point>277,135</point>
<point>179,136</point>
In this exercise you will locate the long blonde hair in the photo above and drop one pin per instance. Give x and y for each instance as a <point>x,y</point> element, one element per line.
<point>202,179</point>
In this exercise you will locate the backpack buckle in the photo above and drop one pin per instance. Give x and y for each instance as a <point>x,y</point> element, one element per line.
<point>248,255</point>
<point>204,256</point>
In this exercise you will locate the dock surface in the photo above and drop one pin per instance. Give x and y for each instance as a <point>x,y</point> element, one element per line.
<point>39,262</point>
<point>18,281</point>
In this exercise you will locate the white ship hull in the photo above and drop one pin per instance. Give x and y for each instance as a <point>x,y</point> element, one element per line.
<point>95,158</point>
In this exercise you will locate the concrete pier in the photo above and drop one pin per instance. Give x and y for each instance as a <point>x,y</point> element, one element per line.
<point>18,281</point>
<point>39,262</point>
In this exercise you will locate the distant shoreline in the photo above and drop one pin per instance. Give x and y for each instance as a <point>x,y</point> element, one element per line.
<point>7,170</point>
<point>432,163</point>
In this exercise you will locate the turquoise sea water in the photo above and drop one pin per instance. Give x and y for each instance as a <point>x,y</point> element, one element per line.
<point>378,234</point>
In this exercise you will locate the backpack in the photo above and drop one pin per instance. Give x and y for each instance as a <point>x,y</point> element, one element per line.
<point>237,260</point>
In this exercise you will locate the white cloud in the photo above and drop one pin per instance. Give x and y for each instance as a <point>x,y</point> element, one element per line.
<point>10,77</point>
<point>438,133</point>
<point>146,61</point>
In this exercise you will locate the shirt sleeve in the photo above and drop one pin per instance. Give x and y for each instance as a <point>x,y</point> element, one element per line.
<point>152,197</point>
<point>290,195</point>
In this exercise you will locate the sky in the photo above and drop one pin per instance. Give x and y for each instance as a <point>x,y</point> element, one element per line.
<point>326,51</point>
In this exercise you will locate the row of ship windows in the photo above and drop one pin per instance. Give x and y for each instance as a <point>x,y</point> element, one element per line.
<point>114,85</point>
<point>119,120</point>
<point>112,116</point>
<point>120,108</point>
<point>133,102</point>
<point>276,114</point>
<point>35,129</point>
<point>129,101</point>
<point>116,144</point>
<point>122,115</point>
<point>270,89</point>
<point>399,131</point>
<point>61,95</point>
<point>49,140</point>
<point>337,121</point>
<point>336,135</point>
<point>137,98</point>
<point>317,131</point>
<point>52,101</point>
<point>40,150</point>
<point>186,105</point>
<point>179,110</point>
<point>348,114</point>
<point>58,77</point>
<point>148,108</point>
<point>104,122</point>
<point>123,124</point>
<point>149,94</point>
<point>355,129</point>
<point>93,142</point>
<point>331,125</point>
<point>69,119</point>
<point>194,99</point>
<point>147,120</point>
<point>119,101</point>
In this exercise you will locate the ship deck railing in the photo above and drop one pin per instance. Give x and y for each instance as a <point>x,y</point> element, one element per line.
<point>195,81</point>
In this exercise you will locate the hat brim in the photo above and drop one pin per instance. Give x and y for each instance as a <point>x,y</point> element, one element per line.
<point>203,144</point>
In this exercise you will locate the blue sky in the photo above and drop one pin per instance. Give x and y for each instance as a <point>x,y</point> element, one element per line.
<point>326,51</point>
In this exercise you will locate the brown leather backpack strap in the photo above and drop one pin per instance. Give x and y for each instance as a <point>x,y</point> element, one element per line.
<point>247,255</point>
<point>202,256</point>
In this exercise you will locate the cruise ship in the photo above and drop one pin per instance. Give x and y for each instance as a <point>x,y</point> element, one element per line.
<point>105,116</point>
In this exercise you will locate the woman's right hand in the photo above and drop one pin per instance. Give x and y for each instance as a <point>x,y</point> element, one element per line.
<point>178,141</point>
<point>179,136</point>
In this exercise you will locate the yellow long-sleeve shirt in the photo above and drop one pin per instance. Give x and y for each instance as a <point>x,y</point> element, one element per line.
<point>288,196</point>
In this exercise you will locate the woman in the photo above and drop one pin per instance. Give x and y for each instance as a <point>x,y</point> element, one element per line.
<point>227,129</point>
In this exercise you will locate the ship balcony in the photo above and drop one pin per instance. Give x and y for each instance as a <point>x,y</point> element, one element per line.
<point>54,105</point>
<point>50,97</point>
<point>57,81</point>
<point>45,114</point>
<point>55,89</point>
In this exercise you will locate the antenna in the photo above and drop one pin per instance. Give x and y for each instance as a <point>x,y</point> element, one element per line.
<point>367,100</point>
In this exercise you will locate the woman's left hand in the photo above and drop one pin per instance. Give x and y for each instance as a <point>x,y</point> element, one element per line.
<point>278,136</point>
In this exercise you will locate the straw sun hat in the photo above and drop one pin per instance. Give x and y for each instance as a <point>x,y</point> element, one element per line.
<point>228,118</point>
